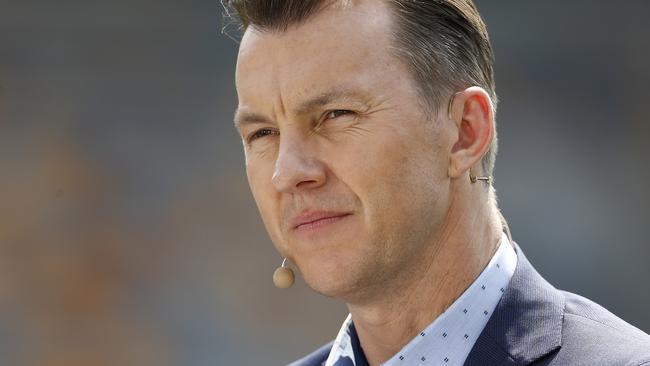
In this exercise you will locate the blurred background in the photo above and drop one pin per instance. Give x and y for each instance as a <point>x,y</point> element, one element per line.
<point>128,235</point>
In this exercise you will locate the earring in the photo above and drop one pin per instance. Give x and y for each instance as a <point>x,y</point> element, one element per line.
<point>283,276</point>
<point>474,179</point>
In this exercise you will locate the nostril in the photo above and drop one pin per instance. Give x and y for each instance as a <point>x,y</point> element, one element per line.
<point>306,183</point>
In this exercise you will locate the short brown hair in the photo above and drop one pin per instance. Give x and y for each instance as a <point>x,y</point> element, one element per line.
<point>444,42</point>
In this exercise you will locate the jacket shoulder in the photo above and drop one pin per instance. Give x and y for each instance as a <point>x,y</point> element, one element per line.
<point>582,307</point>
<point>592,334</point>
<point>316,358</point>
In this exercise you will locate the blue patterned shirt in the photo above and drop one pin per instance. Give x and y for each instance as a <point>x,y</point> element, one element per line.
<point>449,339</point>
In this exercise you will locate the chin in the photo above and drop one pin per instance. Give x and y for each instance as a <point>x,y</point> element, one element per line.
<point>332,279</point>
<point>329,288</point>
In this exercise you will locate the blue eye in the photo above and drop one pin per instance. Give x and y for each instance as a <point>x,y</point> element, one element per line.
<point>260,133</point>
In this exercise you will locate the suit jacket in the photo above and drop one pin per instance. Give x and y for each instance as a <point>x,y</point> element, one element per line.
<point>536,324</point>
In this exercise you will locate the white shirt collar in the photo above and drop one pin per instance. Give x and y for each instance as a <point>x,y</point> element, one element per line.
<point>449,339</point>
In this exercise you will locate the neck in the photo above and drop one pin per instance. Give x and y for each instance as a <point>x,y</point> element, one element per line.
<point>462,248</point>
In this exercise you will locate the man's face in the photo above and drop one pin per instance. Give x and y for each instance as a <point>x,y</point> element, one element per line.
<point>348,171</point>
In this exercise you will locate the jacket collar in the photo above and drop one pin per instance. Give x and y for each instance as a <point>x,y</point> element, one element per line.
<point>526,324</point>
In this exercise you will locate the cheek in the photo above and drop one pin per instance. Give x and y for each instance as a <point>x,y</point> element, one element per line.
<point>266,198</point>
<point>404,159</point>
<point>259,171</point>
<point>394,172</point>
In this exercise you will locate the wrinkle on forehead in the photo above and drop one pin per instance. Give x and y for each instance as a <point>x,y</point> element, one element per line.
<point>283,69</point>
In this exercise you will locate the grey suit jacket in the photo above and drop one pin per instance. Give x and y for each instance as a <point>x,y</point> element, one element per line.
<point>536,324</point>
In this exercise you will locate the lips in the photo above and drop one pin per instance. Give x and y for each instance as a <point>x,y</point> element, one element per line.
<point>310,219</point>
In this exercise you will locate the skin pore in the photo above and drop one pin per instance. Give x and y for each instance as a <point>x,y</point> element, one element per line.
<point>364,191</point>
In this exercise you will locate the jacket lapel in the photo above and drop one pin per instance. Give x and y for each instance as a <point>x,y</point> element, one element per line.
<point>526,324</point>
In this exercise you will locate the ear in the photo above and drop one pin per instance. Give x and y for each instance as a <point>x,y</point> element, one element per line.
<point>472,113</point>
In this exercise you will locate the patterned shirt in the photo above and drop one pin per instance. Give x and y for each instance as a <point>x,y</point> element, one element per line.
<point>449,339</point>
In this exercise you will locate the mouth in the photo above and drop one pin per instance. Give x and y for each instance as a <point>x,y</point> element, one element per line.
<point>309,221</point>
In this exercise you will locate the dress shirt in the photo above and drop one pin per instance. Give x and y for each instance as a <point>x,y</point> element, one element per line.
<point>449,339</point>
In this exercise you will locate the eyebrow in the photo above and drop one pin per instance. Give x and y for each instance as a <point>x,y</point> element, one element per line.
<point>243,117</point>
<point>327,97</point>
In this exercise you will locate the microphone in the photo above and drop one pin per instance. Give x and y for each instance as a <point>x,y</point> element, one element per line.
<point>283,276</point>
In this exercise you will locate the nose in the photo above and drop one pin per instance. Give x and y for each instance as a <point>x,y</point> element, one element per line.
<point>297,167</point>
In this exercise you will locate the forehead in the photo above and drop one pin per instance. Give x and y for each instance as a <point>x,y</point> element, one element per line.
<point>343,43</point>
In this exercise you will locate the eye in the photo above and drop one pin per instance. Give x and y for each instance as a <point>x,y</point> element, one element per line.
<point>337,113</point>
<point>260,133</point>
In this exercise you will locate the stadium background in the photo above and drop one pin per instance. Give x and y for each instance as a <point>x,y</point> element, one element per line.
<point>128,235</point>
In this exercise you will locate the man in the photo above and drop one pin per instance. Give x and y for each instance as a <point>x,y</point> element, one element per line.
<point>369,134</point>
